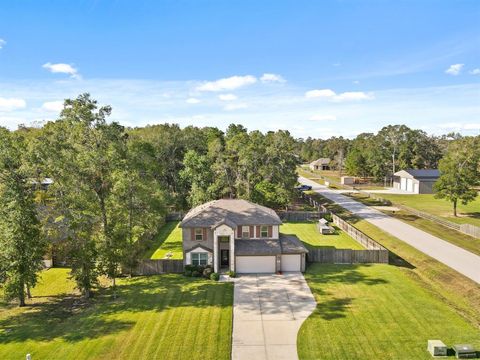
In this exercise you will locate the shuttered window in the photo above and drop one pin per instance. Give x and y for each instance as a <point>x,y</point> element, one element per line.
<point>264,231</point>
<point>199,234</point>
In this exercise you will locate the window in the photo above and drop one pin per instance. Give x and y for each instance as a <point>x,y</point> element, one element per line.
<point>199,234</point>
<point>263,231</point>
<point>245,232</point>
<point>199,259</point>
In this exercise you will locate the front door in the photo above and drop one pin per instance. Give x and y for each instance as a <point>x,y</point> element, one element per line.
<point>224,257</point>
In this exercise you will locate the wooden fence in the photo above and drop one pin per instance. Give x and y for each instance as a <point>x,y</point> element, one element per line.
<point>300,215</point>
<point>471,230</point>
<point>356,234</point>
<point>159,266</point>
<point>347,256</point>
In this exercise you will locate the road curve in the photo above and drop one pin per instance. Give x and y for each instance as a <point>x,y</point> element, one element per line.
<point>451,255</point>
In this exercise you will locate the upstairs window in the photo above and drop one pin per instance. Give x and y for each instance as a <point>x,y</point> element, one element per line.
<point>199,234</point>
<point>263,231</point>
<point>245,232</point>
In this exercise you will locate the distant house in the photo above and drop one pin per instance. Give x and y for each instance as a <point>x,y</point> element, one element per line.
<point>320,164</point>
<point>240,236</point>
<point>416,181</point>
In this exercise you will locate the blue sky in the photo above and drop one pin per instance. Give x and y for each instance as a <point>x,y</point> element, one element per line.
<point>315,68</point>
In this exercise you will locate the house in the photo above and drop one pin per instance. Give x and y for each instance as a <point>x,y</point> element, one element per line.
<point>320,164</point>
<point>416,181</point>
<point>240,236</point>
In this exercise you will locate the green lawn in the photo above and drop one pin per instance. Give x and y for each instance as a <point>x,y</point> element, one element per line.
<point>156,317</point>
<point>307,232</point>
<point>467,214</point>
<point>168,239</point>
<point>376,312</point>
<point>455,237</point>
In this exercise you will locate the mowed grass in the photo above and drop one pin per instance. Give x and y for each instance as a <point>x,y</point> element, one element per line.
<point>168,240</point>
<point>376,312</point>
<point>467,214</point>
<point>308,233</point>
<point>157,317</point>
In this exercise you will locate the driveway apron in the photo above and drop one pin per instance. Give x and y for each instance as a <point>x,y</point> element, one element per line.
<point>268,311</point>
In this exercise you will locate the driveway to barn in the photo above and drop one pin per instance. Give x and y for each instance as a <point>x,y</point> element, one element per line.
<point>451,255</point>
<point>268,311</point>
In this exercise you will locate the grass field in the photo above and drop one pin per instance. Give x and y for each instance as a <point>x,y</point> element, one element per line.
<point>307,232</point>
<point>156,317</point>
<point>467,214</point>
<point>461,293</point>
<point>375,312</point>
<point>168,239</point>
<point>455,237</point>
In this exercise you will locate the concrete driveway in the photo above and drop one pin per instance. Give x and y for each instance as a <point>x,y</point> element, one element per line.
<point>459,259</point>
<point>268,311</point>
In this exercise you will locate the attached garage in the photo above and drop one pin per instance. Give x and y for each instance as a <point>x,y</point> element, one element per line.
<point>291,262</point>
<point>255,264</point>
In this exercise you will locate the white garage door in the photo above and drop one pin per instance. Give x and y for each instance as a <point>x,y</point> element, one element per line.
<point>291,263</point>
<point>409,185</point>
<point>255,264</point>
<point>403,183</point>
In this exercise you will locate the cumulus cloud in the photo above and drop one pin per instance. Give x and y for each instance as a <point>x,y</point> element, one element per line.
<point>454,69</point>
<point>320,117</point>
<point>53,106</point>
<point>266,78</point>
<point>2,43</point>
<point>237,106</point>
<point>227,97</point>
<point>62,69</point>
<point>230,83</point>
<point>192,101</point>
<point>475,71</point>
<point>331,95</point>
<point>10,104</point>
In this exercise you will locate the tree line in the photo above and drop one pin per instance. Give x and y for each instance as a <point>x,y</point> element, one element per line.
<point>112,187</point>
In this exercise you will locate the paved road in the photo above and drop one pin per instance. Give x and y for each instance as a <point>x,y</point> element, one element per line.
<point>453,256</point>
<point>268,311</point>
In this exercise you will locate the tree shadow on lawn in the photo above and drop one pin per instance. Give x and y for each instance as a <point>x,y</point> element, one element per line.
<point>320,275</point>
<point>160,238</point>
<point>73,319</point>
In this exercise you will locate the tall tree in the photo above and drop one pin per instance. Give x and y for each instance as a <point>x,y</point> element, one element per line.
<point>459,171</point>
<point>21,245</point>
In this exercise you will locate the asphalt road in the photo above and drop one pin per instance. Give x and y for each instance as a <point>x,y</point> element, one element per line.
<point>451,255</point>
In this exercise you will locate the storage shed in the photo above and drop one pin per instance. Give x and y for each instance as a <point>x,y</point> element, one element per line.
<point>416,181</point>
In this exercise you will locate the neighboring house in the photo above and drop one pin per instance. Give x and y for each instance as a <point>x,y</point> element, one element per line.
<point>240,236</point>
<point>416,181</point>
<point>320,164</point>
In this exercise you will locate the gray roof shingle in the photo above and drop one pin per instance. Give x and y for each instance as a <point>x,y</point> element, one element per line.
<point>233,212</point>
<point>257,247</point>
<point>291,244</point>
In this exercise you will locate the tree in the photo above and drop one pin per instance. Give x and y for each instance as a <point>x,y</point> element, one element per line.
<point>21,245</point>
<point>459,172</point>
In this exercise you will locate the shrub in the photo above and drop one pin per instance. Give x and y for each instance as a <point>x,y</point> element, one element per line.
<point>214,276</point>
<point>207,272</point>
<point>190,268</point>
<point>232,274</point>
<point>187,273</point>
<point>196,273</point>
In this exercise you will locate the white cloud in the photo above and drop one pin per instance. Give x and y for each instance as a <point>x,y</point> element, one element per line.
<point>53,106</point>
<point>192,101</point>
<point>460,126</point>
<point>10,104</point>
<point>2,43</point>
<point>323,118</point>
<point>356,82</point>
<point>227,97</point>
<point>475,71</point>
<point>454,69</point>
<point>332,96</point>
<point>272,78</point>
<point>62,69</point>
<point>231,83</point>
<point>324,93</point>
<point>231,107</point>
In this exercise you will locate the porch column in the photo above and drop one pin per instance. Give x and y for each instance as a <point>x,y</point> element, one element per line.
<point>215,252</point>
<point>232,252</point>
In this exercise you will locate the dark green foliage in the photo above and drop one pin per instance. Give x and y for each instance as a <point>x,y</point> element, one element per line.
<point>232,274</point>
<point>214,276</point>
